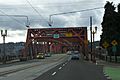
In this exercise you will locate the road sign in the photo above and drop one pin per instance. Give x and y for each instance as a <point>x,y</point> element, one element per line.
<point>114,49</point>
<point>114,42</point>
<point>105,44</point>
<point>56,36</point>
<point>68,34</point>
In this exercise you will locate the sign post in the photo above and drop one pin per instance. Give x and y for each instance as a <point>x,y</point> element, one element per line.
<point>114,49</point>
<point>105,45</point>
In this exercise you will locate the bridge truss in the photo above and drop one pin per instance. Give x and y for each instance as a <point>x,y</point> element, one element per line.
<point>55,40</point>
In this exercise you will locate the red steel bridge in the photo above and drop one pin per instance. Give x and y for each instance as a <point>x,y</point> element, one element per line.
<point>55,40</point>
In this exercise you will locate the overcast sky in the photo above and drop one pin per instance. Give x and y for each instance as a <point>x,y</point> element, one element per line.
<point>16,25</point>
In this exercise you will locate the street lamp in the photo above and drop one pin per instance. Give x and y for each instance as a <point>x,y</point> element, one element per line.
<point>4,34</point>
<point>94,32</point>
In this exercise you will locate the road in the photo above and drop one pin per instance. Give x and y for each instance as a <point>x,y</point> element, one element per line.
<point>74,70</point>
<point>29,70</point>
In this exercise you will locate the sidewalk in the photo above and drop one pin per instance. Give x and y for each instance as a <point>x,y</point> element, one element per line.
<point>15,68</point>
<point>12,61</point>
<point>111,69</point>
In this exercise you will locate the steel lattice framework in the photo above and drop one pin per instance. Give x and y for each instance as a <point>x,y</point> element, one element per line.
<point>45,39</point>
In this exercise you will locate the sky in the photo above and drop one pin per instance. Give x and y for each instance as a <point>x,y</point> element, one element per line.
<point>38,12</point>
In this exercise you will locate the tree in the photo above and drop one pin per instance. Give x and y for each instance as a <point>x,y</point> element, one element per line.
<point>111,26</point>
<point>108,22</point>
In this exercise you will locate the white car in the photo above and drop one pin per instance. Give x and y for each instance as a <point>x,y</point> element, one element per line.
<point>75,56</point>
<point>69,52</point>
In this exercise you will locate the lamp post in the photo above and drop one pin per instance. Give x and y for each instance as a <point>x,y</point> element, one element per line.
<point>94,32</point>
<point>4,34</point>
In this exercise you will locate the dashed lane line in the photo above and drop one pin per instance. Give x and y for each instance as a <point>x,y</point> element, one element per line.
<point>66,63</point>
<point>63,64</point>
<point>60,67</point>
<point>54,73</point>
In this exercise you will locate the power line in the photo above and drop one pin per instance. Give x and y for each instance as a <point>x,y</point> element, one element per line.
<point>50,16</point>
<point>24,16</point>
<point>68,5</point>
<point>37,12</point>
<point>73,2</point>
<point>77,11</point>
<point>11,17</point>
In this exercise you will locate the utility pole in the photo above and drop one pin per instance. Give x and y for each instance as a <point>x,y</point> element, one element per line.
<point>91,36</point>
<point>4,54</point>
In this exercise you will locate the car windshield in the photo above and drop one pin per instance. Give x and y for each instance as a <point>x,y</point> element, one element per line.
<point>40,53</point>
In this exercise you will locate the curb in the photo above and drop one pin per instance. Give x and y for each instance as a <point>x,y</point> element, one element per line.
<point>107,76</point>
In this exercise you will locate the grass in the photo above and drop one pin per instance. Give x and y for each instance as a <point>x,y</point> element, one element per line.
<point>114,73</point>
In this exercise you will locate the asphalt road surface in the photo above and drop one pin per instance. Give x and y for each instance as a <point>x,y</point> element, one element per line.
<point>74,70</point>
<point>29,70</point>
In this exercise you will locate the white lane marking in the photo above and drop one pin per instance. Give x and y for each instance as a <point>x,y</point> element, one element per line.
<point>53,73</point>
<point>63,64</point>
<point>60,67</point>
<point>66,63</point>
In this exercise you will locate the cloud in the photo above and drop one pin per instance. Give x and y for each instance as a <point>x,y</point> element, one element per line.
<point>46,8</point>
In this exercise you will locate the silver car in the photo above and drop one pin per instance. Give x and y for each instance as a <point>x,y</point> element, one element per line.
<point>75,56</point>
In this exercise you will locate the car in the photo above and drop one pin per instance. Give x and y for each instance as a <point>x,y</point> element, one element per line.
<point>40,56</point>
<point>69,52</point>
<point>75,56</point>
<point>48,54</point>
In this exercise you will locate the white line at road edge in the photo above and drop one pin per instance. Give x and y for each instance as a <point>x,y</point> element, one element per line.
<point>53,73</point>
<point>60,67</point>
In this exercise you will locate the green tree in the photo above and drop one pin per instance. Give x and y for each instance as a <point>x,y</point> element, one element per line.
<point>108,22</point>
<point>111,25</point>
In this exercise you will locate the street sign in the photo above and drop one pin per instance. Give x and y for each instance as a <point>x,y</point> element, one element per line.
<point>56,36</point>
<point>114,42</point>
<point>68,34</point>
<point>114,49</point>
<point>105,44</point>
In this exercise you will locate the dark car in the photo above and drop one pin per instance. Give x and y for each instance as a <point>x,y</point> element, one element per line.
<point>48,54</point>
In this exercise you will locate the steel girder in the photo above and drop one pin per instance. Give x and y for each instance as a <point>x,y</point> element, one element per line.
<point>67,37</point>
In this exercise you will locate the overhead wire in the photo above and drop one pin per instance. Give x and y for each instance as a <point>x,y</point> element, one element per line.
<point>77,11</point>
<point>12,18</point>
<point>75,3</point>
<point>50,16</point>
<point>37,12</point>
